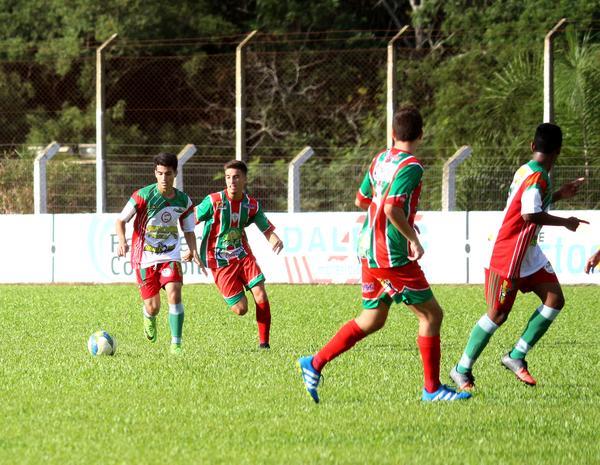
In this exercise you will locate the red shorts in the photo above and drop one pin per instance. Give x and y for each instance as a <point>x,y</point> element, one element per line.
<point>233,279</point>
<point>405,283</point>
<point>153,278</point>
<point>501,292</point>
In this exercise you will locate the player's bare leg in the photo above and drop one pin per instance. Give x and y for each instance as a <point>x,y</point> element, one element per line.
<point>263,314</point>
<point>176,315</point>
<point>372,320</point>
<point>240,307</point>
<point>552,302</point>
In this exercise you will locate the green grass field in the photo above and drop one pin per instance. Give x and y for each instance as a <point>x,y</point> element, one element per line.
<point>226,402</point>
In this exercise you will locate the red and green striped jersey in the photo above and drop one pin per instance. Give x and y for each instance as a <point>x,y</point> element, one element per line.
<point>223,237</point>
<point>155,234</point>
<point>394,177</point>
<point>516,253</point>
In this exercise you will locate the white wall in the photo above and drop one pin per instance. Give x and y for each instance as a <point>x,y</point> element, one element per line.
<point>320,248</point>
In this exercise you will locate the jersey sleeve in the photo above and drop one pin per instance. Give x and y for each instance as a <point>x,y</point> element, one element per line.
<point>187,219</point>
<point>130,209</point>
<point>365,192</point>
<point>204,211</point>
<point>260,219</point>
<point>534,191</point>
<point>404,183</point>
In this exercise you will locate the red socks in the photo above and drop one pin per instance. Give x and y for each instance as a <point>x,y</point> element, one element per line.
<point>344,339</point>
<point>263,320</point>
<point>429,346</point>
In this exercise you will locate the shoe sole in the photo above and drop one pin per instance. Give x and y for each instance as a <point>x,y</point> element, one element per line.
<point>299,368</point>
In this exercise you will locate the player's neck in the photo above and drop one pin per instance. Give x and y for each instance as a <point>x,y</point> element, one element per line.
<point>237,196</point>
<point>405,146</point>
<point>546,161</point>
<point>167,192</point>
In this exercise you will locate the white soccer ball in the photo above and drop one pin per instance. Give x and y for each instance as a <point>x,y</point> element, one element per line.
<point>102,343</point>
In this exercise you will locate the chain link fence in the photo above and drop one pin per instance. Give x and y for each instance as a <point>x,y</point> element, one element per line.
<point>327,91</point>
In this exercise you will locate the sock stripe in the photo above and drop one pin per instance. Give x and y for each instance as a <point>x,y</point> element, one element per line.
<point>487,324</point>
<point>522,346</point>
<point>548,312</point>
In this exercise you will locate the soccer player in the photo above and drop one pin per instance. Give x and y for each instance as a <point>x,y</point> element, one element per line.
<point>155,253</point>
<point>517,262</point>
<point>592,262</point>
<point>389,249</point>
<point>225,248</point>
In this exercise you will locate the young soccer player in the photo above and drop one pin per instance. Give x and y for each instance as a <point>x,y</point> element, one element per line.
<point>155,254</point>
<point>225,249</point>
<point>517,262</point>
<point>389,249</point>
<point>592,262</point>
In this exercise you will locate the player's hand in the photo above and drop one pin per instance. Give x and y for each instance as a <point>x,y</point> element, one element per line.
<point>276,243</point>
<point>415,250</point>
<point>187,256</point>
<point>573,223</point>
<point>122,249</point>
<point>198,262</point>
<point>592,262</point>
<point>570,189</point>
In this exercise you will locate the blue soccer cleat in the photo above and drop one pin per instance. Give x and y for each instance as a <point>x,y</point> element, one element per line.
<point>444,393</point>
<point>310,376</point>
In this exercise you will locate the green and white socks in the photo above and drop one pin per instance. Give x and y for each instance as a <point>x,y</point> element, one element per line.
<point>536,327</point>
<point>176,322</point>
<point>481,334</point>
<point>479,338</point>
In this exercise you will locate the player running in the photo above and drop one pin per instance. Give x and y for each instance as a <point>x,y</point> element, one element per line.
<point>517,262</point>
<point>155,254</point>
<point>225,249</point>
<point>389,249</point>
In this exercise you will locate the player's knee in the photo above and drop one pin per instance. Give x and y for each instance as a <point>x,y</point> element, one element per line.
<point>239,309</point>
<point>557,302</point>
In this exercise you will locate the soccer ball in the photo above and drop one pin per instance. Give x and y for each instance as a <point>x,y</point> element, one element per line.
<point>102,343</point>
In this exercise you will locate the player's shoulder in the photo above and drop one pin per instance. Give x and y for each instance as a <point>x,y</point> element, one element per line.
<point>144,193</point>
<point>533,172</point>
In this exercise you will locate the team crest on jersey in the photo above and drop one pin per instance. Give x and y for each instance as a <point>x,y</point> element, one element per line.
<point>166,217</point>
<point>235,217</point>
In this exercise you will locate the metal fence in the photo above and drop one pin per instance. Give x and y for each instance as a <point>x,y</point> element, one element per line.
<point>326,90</point>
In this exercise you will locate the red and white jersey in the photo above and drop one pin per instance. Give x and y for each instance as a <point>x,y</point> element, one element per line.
<point>515,251</point>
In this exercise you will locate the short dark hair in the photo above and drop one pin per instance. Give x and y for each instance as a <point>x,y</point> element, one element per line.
<point>236,165</point>
<point>548,138</point>
<point>407,124</point>
<point>166,159</point>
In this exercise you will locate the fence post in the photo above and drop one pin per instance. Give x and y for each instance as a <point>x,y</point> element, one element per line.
<point>449,177</point>
<point>100,129</point>
<point>294,178</point>
<point>549,72</point>
<point>182,157</point>
<point>392,86</point>
<point>240,98</point>
<point>40,190</point>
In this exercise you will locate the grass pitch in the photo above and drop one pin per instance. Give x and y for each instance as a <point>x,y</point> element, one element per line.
<point>225,401</point>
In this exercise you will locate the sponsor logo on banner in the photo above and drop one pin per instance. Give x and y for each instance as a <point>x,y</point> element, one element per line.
<point>166,217</point>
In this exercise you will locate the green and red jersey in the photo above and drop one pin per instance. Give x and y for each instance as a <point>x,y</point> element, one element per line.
<point>223,237</point>
<point>515,251</point>
<point>394,177</point>
<point>155,233</point>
